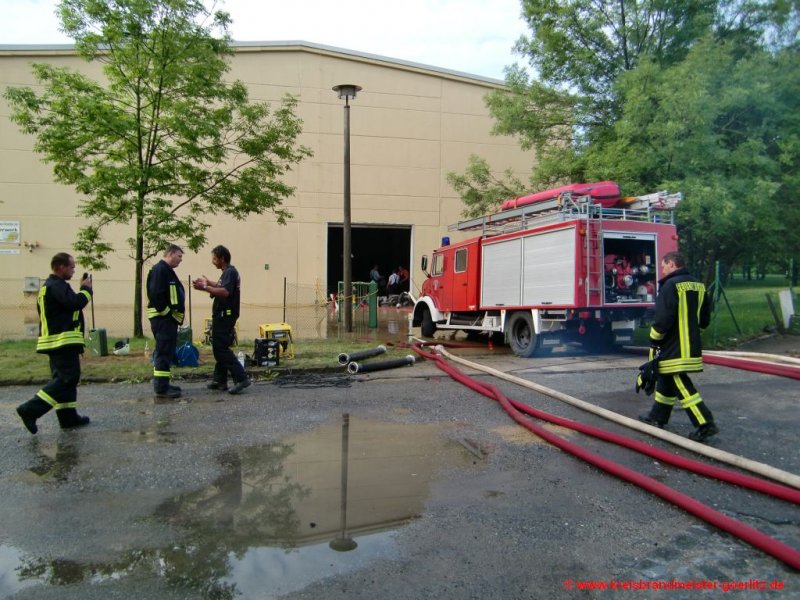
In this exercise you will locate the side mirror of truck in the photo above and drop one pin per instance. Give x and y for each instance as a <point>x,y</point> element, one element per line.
<point>423,264</point>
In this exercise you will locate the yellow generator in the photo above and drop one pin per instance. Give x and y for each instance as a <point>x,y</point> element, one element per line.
<point>282,332</point>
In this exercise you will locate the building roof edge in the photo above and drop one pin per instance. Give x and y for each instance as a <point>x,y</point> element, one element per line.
<point>286,45</point>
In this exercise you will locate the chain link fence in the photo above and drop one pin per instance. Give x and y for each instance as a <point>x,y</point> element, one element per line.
<point>305,307</point>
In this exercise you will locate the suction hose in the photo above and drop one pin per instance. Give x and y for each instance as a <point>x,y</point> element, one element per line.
<point>355,367</point>
<point>777,549</point>
<point>345,358</point>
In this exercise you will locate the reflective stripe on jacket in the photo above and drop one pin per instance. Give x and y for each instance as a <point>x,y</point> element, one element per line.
<point>165,293</point>
<point>60,315</point>
<point>683,310</point>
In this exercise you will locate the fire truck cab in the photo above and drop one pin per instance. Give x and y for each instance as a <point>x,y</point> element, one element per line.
<point>557,270</point>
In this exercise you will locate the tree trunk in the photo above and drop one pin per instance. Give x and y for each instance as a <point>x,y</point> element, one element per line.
<point>137,298</point>
<point>139,262</point>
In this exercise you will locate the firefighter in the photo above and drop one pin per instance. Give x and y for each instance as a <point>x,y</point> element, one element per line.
<point>61,330</point>
<point>683,309</point>
<point>224,313</point>
<point>165,309</point>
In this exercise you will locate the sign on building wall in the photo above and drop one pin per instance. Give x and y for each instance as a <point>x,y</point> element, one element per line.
<point>9,234</point>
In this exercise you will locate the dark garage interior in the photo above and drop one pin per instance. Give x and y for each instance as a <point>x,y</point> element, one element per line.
<point>386,246</point>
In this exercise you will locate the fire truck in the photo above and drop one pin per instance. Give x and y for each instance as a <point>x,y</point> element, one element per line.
<point>578,263</point>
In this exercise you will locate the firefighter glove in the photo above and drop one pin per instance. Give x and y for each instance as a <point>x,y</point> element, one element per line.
<point>647,377</point>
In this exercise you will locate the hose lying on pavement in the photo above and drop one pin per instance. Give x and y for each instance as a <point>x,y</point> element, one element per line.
<point>770,368</point>
<point>759,356</point>
<point>779,491</point>
<point>677,440</point>
<point>381,365</point>
<point>345,358</point>
<point>763,542</point>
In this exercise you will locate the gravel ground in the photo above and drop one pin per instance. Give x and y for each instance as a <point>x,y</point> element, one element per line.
<point>225,497</point>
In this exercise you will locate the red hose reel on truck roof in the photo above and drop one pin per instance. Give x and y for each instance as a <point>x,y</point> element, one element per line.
<point>604,193</point>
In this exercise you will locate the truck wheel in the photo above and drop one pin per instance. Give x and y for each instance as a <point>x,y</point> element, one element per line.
<point>521,335</point>
<point>428,326</point>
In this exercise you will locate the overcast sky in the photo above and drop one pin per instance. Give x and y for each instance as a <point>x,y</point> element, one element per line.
<point>473,36</point>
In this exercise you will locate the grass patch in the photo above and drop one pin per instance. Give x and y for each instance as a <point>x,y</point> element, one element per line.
<point>749,307</point>
<point>20,364</point>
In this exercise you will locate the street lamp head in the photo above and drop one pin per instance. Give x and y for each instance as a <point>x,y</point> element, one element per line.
<point>347,90</point>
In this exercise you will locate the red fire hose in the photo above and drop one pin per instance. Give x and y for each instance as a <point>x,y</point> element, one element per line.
<point>753,365</point>
<point>759,540</point>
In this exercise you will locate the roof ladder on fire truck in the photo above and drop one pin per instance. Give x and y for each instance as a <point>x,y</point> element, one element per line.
<point>654,208</point>
<point>513,219</point>
<point>595,271</point>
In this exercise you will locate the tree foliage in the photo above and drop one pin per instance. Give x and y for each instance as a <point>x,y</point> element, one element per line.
<point>714,127</point>
<point>164,141</point>
<point>698,96</point>
<point>481,189</point>
<point>577,50</point>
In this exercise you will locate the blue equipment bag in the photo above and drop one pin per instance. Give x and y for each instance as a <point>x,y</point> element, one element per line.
<point>186,355</point>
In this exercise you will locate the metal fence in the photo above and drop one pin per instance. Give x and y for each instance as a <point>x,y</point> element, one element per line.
<point>305,308</point>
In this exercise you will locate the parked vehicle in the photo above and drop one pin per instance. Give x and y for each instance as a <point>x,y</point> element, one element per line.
<point>561,267</point>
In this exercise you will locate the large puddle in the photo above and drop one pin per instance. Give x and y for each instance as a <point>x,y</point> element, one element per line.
<point>279,516</point>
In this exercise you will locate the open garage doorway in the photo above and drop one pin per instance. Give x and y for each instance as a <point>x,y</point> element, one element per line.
<point>387,246</point>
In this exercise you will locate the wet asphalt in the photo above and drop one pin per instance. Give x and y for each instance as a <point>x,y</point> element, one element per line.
<point>220,496</point>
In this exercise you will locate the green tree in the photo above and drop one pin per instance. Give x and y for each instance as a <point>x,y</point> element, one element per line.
<point>698,96</point>
<point>564,100</point>
<point>577,50</point>
<point>481,190</point>
<point>722,128</point>
<point>164,142</point>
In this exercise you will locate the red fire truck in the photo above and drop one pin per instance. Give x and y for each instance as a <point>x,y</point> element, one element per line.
<point>556,268</point>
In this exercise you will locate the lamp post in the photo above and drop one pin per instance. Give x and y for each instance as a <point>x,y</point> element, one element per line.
<point>347,91</point>
<point>343,542</point>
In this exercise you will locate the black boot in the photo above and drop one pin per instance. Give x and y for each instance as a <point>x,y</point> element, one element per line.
<point>68,418</point>
<point>658,416</point>
<point>30,411</point>
<point>702,433</point>
<point>705,430</point>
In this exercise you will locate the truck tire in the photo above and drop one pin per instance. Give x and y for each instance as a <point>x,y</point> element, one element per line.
<point>428,327</point>
<point>521,336</point>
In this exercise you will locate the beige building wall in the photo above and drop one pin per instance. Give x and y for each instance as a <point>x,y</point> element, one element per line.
<point>410,126</point>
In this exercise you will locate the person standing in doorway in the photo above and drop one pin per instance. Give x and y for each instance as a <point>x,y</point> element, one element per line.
<point>683,309</point>
<point>375,275</point>
<point>394,283</point>
<point>166,305</point>
<point>224,314</point>
<point>403,279</point>
<point>61,328</point>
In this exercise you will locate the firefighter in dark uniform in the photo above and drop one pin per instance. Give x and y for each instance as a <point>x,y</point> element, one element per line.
<point>165,309</point>
<point>224,313</point>
<point>61,330</point>
<point>683,309</point>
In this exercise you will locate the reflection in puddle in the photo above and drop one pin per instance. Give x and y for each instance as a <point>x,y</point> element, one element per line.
<point>282,515</point>
<point>11,562</point>
<point>160,433</point>
<point>55,464</point>
<point>267,572</point>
